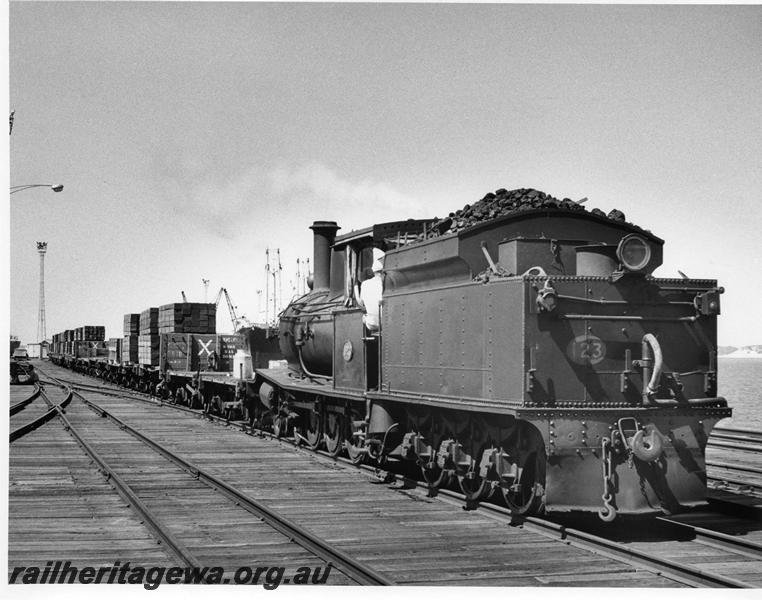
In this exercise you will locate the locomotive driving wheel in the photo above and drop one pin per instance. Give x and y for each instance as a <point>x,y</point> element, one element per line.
<point>436,467</point>
<point>355,442</point>
<point>280,425</point>
<point>435,476</point>
<point>523,495</point>
<point>310,431</point>
<point>356,449</point>
<point>474,486</point>
<point>334,433</point>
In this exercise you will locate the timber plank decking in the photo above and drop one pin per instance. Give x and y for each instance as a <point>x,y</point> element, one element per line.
<point>399,532</point>
<point>36,408</point>
<point>61,508</point>
<point>213,528</point>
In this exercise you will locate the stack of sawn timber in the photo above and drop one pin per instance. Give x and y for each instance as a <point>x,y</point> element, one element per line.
<point>148,339</point>
<point>87,341</point>
<point>187,317</point>
<point>130,339</point>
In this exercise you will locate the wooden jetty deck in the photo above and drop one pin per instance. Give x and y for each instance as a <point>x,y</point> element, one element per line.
<point>397,531</point>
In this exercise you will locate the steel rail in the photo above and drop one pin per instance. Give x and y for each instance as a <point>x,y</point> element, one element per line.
<point>734,467</point>
<point>743,486</point>
<point>754,439</point>
<point>671,569</point>
<point>738,430</point>
<point>42,419</point>
<point>357,571</point>
<point>731,446</point>
<point>668,568</point>
<point>663,566</point>
<point>152,522</point>
<point>718,539</point>
<point>587,541</point>
<point>745,439</point>
<point>19,406</point>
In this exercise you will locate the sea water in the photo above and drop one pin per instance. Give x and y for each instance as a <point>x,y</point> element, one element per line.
<point>739,380</point>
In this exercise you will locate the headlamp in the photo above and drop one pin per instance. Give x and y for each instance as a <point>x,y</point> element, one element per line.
<point>633,252</point>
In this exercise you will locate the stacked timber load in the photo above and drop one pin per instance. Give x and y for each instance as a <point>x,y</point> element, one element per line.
<point>130,348</point>
<point>188,317</point>
<point>130,338</point>
<point>148,350</point>
<point>148,340</point>
<point>503,203</point>
<point>69,335</point>
<point>149,321</point>
<point>114,349</point>
<point>95,333</point>
<point>132,324</point>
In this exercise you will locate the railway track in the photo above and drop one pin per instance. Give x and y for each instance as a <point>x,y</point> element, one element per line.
<point>61,508</point>
<point>664,564</point>
<point>747,440</point>
<point>733,461</point>
<point>21,397</point>
<point>34,411</point>
<point>139,467</point>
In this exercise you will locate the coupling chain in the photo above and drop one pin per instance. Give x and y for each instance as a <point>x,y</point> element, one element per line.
<point>608,512</point>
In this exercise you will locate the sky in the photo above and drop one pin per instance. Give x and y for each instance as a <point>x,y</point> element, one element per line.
<point>190,137</point>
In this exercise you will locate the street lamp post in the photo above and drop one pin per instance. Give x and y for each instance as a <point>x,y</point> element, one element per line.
<point>55,187</point>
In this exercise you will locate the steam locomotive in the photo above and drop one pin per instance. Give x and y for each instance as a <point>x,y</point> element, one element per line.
<point>530,354</point>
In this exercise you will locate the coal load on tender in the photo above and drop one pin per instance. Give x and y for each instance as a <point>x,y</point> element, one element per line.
<point>504,202</point>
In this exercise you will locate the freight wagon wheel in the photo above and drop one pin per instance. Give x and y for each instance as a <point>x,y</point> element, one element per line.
<point>180,396</point>
<point>524,496</point>
<point>334,434</point>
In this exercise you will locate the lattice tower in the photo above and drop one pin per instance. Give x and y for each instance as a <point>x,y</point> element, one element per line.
<point>42,247</point>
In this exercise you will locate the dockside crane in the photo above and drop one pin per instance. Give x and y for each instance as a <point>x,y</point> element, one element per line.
<point>237,321</point>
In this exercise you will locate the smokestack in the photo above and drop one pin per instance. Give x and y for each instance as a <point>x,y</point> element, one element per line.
<point>325,233</point>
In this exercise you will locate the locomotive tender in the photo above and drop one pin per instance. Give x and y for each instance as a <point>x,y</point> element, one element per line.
<point>532,355</point>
